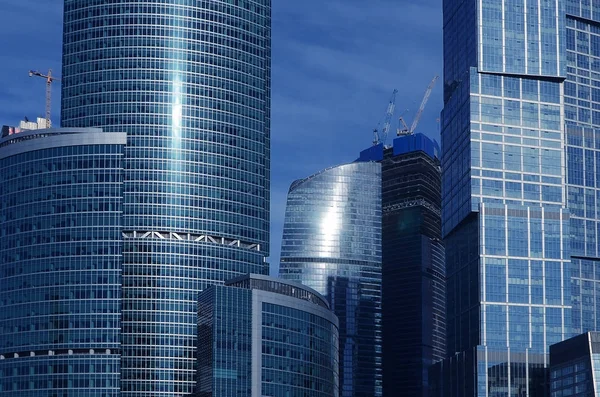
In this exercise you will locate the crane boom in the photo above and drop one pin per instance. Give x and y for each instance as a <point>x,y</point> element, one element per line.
<point>49,80</point>
<point>381,138</point>
<point>404,126</point>
<point>423,103</point>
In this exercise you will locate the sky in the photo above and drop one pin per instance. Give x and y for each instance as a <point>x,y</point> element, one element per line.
<point>335,64</point>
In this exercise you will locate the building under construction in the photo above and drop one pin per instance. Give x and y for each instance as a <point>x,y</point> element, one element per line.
<point>25,125</point>
<point>413,272</point>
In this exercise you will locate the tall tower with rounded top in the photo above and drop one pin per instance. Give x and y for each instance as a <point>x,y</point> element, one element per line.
<point>189,82</point>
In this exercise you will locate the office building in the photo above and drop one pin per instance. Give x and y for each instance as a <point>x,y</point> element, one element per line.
<point>504,218</point>
<point>414,285</point>
<point>60,262</point>
<point>575,366</point>
<point>582,118</point>
<point>332,243</point>
<point>263,336</point>
<point>189,82</point>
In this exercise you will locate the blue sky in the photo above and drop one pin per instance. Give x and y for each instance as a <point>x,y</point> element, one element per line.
<point>335,64</point>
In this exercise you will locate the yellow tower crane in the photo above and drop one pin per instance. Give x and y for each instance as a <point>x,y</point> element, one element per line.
<point>49,80</point>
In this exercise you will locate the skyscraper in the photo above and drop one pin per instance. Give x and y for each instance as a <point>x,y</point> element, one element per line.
<point>582,117</point>
<point>575,366</point>
<point>505,223</point>
<point>263,336</point>
<point>332,243</point>
<point>189,82</point>
<point>60,262</point>
<point>413,294</point>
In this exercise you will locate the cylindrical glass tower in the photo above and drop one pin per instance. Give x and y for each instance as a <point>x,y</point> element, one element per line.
<point>189,82</point>
<point>60,263</point>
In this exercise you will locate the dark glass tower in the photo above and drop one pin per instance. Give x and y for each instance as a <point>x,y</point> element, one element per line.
<point>263,336</point>
<point>189,82</point>
<point>60,263</point>
<point>575,366</point>
<point>332,243</point>
<point>413,294</point>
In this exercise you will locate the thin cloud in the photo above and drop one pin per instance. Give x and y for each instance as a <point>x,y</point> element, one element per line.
<point>335,64</point>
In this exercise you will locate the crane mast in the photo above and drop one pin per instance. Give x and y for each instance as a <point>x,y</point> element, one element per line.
<point>49,80</point>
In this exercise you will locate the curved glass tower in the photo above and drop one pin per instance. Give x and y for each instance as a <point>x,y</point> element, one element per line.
<point>60,262</point>
<point>332,243</point>
<point>189,82</point>
<point>263,336</point>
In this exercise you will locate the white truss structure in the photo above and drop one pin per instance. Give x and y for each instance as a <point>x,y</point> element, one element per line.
<point>205,238</point>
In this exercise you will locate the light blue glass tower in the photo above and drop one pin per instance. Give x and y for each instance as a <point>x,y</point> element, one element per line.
<point>189,82</point>
<point>582,117</point>
<point>332,243</point>
<point>60,263</point>
<point>505,222</point>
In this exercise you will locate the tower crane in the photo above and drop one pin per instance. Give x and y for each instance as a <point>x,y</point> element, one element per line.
<point>49,80</point>
<point>409,131</point>
<point>381,138</point>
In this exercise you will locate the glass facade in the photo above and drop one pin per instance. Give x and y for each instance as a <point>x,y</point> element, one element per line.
<point>575,366</point>
<point>505,222</point>
<point>189,82</point>
<point>413,274</point>
<point>60,263</point>
<point>258,336</point>
<point>582,117</point>
<point>332,243</point>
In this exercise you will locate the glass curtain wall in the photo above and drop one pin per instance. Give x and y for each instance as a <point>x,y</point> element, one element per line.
<point>582,117</point>
<point>505,220</point>
<point>61,247</point>
<point>189,82</point>
<point>332,243</point>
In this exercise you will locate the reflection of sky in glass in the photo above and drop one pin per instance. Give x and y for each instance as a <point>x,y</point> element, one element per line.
<point>76,269</point>
<point>582,117</point>
<point>332,243</point>
<point>176,164</point>
<point>505,222</point>
<point>189,82</point>
<point>331,224</point>
<point>177,110</point>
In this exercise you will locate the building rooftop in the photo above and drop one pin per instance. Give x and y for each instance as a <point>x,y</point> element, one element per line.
<point>279,286</point>
<point>403,145</point>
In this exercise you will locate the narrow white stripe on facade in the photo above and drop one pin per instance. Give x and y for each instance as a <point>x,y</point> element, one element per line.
<point>557,22</point>
<point>526,54</point>
<point>594,380</point>
<point>562,142</point>
<point>483,272</point>
<point>527,370</point>
<point>503,37</point>
<point>480,38</point>
<point>562,279</point>
<point>544,271</point>
<point>506,285</point>
<point>529,275</point>
<point>539,34</point>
